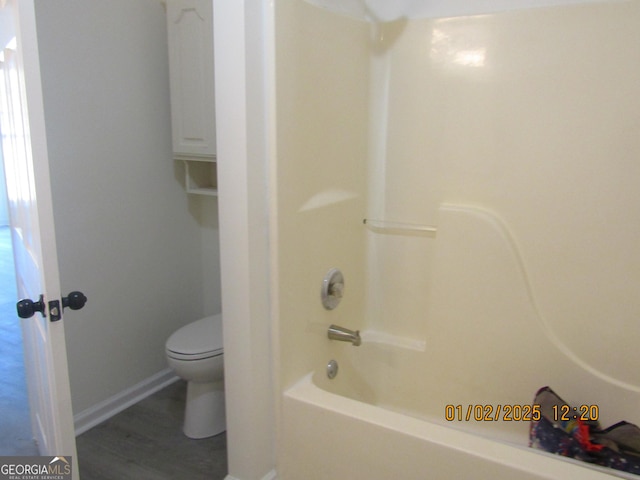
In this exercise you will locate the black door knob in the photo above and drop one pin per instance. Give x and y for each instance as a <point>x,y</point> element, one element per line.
<point>27,307</point>
<point>74,301</point>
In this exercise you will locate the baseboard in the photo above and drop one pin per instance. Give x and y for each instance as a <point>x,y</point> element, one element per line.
<point>272,475</point>
<point>106,409</point>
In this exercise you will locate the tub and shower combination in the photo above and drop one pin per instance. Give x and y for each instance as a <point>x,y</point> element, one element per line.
<point>472,174</point>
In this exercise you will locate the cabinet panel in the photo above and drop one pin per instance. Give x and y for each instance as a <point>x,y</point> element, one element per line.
<point>190,33</point>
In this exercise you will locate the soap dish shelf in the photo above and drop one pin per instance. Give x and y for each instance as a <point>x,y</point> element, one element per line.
<point>399,228</point>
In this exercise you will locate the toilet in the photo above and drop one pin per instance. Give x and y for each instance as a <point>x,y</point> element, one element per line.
<point>194,352</point>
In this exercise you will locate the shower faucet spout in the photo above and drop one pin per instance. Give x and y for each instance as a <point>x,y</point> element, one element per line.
<point>344,335</point>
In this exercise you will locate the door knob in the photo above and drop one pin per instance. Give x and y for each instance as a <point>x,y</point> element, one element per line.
<point>27,307</point>
<point>75,300</point>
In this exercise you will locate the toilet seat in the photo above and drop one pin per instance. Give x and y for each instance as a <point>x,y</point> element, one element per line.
<point>197,340</point>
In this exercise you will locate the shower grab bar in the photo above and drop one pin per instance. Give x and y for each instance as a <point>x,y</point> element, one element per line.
<point>344,335</point>
<point>399,227</point>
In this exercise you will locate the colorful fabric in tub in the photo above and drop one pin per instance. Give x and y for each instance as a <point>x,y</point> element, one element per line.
<point>576,433</point>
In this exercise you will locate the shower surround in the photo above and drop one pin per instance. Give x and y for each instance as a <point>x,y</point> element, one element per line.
<point>494,157</point>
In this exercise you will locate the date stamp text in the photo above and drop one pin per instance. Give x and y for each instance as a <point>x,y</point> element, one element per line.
<point>517,413</point>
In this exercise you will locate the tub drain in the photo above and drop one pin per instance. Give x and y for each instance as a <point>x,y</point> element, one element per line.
<point>332,369</point>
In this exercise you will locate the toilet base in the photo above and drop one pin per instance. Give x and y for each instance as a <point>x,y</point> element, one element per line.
<point>205,412</point>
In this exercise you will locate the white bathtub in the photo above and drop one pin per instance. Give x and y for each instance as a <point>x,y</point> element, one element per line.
<point>333,437</point>
<point>532,277</point>
<point>483,342</point>
<point>384,415</point>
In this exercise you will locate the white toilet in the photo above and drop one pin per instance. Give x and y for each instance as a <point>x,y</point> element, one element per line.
<point>194,352</point>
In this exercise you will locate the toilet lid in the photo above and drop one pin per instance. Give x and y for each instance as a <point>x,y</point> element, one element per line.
<point>196,340</point>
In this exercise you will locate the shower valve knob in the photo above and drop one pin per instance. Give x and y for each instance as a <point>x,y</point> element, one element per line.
<point>336,289</point>
<point>332,289</point>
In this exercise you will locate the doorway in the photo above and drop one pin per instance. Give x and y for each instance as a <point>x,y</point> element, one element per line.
<point>16,437</point>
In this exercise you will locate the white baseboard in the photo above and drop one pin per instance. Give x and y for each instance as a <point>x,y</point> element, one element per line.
<point>272,475</point>
<point>106,409</point>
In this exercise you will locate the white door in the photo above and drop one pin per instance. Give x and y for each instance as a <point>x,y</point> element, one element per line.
<point>26,164</point>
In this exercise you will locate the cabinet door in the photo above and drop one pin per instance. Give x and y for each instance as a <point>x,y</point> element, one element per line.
<point>190,30</point>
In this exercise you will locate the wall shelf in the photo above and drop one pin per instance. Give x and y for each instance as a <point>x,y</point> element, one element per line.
<point>201,177</point>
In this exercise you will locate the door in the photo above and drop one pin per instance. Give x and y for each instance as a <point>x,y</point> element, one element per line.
<point>26,165</point>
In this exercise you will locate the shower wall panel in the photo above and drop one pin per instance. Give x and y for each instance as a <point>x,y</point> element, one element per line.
<point>531,116</point>
<point>322,70</point>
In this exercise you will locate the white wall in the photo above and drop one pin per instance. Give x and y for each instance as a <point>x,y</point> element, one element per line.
<point>210,253</point>
<point>6,34</point>
<point>242,107</point>
<point>4,207</point>
<point>127,234</point>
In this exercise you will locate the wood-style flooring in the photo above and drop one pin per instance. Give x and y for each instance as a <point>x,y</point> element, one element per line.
<point>145,442</point>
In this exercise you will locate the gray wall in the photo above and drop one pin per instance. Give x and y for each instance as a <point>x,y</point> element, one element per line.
<point>127,233</point>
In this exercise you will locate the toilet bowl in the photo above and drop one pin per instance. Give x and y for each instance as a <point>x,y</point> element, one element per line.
<point>194,352</point>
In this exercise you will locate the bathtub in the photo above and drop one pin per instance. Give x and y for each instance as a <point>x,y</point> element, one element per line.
<point>328,435</point>
<point>460,127</point>
<point>384,416</point>
<point>482,341</point>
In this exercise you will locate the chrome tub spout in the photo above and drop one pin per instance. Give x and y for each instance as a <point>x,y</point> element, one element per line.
<point>344,335</point>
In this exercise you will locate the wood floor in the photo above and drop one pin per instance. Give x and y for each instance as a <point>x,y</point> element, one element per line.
<point>146,442</point>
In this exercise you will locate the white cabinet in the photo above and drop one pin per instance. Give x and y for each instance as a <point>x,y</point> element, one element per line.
<point>191,74</point>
